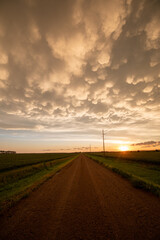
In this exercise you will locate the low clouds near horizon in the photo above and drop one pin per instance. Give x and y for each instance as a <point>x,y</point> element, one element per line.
<point>81,66</point>
<point>148,144</point>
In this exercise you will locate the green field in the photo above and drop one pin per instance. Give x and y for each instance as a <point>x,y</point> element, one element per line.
<point>21,173</point>
<point>141,168</point>
<point>13,161</point>
<point>138,156</point>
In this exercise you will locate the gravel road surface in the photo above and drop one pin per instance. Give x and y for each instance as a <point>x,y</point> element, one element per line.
<point>84,201</point>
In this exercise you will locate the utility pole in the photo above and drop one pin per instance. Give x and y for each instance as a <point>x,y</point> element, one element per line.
<point>90,148</point>
<point>103,142</point>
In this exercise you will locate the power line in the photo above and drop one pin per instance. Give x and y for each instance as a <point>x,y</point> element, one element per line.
<point>103,142</point>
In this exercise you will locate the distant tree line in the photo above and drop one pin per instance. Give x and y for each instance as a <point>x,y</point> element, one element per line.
<point>7,152</point>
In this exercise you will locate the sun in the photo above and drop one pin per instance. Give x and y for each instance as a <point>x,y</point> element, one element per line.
<point>123,148</point>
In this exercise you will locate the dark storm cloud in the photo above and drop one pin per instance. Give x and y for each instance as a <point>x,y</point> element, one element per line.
<point>74,64</point>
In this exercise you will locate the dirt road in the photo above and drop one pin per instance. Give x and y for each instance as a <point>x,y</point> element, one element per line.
<point>84,201</point>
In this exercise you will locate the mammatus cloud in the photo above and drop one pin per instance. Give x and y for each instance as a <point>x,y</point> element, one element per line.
<point>81,66</point>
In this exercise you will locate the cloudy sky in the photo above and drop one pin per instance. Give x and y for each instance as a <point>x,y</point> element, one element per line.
<point>70,68</point>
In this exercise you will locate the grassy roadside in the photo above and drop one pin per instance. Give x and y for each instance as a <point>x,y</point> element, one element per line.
<point>13,191</point>
<point>141,176</point>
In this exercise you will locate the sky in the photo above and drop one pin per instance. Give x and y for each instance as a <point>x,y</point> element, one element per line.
<point>70,68</point>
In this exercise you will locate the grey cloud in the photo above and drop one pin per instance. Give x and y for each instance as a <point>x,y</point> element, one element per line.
<point>149,143</point>
<point>12,121</point>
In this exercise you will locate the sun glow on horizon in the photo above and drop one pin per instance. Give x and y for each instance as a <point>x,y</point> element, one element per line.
<point>123,148</point>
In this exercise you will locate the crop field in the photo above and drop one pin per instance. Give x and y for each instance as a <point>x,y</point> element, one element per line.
<point>138,156</point>
<point>21,173</point>
<point>141,168</point>
<point>13,161</point>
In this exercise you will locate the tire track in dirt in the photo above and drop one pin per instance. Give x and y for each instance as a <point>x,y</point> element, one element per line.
<point>83,217</point>
<point>84,201</point>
